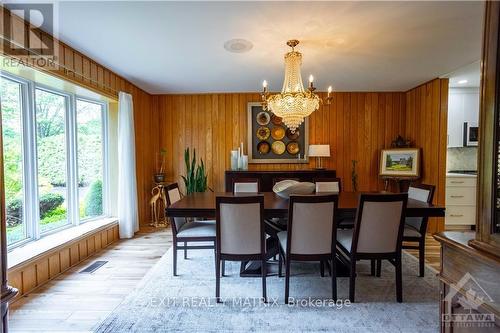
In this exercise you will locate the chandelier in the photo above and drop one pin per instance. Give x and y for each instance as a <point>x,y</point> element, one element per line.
<point>294,103</point>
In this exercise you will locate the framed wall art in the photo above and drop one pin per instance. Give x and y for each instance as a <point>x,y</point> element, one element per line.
<point>270,141</point>
<point>400,162</point>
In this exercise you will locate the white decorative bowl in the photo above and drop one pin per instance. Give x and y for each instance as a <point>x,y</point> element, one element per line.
<point>287,187</point>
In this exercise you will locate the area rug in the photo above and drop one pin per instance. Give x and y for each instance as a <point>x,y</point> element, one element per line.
<point>186,303</point>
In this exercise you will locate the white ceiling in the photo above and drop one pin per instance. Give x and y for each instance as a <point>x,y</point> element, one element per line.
<point>466,77</point>
<point>171,47</point>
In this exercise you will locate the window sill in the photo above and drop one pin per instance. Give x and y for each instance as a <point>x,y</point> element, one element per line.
<point>31,251</point>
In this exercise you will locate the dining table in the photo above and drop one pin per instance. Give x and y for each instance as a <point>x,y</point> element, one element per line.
<point>202,205</point>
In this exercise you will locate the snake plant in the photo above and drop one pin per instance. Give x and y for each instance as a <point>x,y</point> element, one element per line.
<point>196,177</point>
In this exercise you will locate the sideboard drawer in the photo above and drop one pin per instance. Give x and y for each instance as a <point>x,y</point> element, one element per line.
<point>460,196</point>
<point>461,181</point>
<point>460,215</point>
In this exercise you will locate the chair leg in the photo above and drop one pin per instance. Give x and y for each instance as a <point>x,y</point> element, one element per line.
<point>175,257</point>
<point>185,251</point>
<point>372,267</point>
<point>421,257</point>
<point>352,280</point>
<point>287,279</point>
<point>379,267</point>
<point>217,279</point>
<point>223,267</point>
<point>399,280</point>
<point>322,268</point>
<point>334,278</point>
<point>264,275</point>
<point>280,264</point>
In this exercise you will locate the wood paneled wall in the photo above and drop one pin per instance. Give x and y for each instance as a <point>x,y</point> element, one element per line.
<point>73,66</point>
<point>356,125</point>
<point>427,127</point>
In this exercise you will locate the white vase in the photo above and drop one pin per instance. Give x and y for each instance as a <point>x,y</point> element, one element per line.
<point>234,160</point>
<point>244,162</point>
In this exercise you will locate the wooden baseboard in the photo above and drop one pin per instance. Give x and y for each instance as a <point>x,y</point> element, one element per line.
<point>46,267</point>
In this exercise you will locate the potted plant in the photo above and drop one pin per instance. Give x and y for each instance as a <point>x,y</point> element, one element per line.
<point>160,176</point>
<point>195,179</point>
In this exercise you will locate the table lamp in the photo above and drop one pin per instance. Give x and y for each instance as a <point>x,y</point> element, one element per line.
<point>319,151</point>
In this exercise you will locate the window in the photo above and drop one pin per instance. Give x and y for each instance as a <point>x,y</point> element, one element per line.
<point>55,159</point>
<point>12,136</point>
<point>50,115</point>
<point>89,126</point>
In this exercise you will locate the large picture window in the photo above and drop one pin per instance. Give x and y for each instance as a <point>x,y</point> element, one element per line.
<point>11,93</point>
<point>89,122</point>
<point>55,159</point>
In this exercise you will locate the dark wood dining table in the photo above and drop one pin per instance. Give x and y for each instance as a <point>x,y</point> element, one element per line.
<point>202,205</point>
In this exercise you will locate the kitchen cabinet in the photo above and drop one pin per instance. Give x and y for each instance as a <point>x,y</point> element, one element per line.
<point>463,106</point>
<point>460,200</point>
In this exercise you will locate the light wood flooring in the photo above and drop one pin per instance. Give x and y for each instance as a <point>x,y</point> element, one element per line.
<point>75,302</point>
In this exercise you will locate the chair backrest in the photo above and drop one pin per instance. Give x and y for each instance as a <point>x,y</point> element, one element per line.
<point>420,192</point>
<point>311,224</point>
<point>173,195</point>
<point>379,223</point>
<point>240,225</point>
<point>327,185</point>
<point>246,185</point>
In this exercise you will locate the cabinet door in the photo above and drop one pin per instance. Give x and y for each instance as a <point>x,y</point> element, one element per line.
<point>455,120</point>
<point>471,107</point>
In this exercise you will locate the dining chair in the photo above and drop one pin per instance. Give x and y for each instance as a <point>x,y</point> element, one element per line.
<point>184,231</point>
<point>332,185</point>
<point>240,234</point>
<point>311,235</point>
<point>415,228</point>
<point>246,185</point>
<point>377,235</point>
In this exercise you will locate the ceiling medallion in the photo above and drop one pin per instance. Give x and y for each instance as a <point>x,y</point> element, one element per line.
<point>294,103</point>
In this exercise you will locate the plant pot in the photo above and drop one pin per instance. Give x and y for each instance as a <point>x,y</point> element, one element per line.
<point>159,177</point>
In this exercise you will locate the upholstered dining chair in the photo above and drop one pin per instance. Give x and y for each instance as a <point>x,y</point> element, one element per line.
<point>240,234</point>
<point>327,185</point>
<point>416,227</point>
<point>246,185</point>
<point>377,235</point>
<point>188,232</point>
<point>311,235</point>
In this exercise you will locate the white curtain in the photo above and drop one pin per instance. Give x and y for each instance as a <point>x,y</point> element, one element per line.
<point>127,184</point>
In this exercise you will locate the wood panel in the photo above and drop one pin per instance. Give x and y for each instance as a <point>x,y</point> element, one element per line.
<point>356,125</point>
<point>426,125</point>
<point>75,67</point>
<point>33,274</point>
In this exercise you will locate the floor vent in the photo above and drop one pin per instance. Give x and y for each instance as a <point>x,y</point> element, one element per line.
<point>94,267</point>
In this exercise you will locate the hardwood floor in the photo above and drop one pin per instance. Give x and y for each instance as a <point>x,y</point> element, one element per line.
<point>432,252</point>
<point>77,302</point>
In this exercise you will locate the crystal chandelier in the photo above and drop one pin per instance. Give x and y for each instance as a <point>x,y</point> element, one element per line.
<point>294,103</point>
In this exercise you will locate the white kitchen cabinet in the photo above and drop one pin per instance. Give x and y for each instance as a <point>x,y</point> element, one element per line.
<point>460,200</point>
<point>463,106</point>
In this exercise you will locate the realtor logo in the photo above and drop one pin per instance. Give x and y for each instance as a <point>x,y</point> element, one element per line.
<point>461,307</point>
<point>29,43</point>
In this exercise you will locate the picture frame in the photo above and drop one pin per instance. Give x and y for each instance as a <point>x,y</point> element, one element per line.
<point>272,138</point>
<point>400,162</point>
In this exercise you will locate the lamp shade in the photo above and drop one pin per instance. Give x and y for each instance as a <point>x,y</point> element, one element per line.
<point>319,150</point>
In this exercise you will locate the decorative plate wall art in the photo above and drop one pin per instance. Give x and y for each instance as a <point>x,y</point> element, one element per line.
<point>270,141</point>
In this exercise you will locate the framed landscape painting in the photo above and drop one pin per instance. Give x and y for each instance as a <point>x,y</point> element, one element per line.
<point>400,162</point>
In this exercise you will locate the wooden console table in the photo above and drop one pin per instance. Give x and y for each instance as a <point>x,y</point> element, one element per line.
<point>266,178</point>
